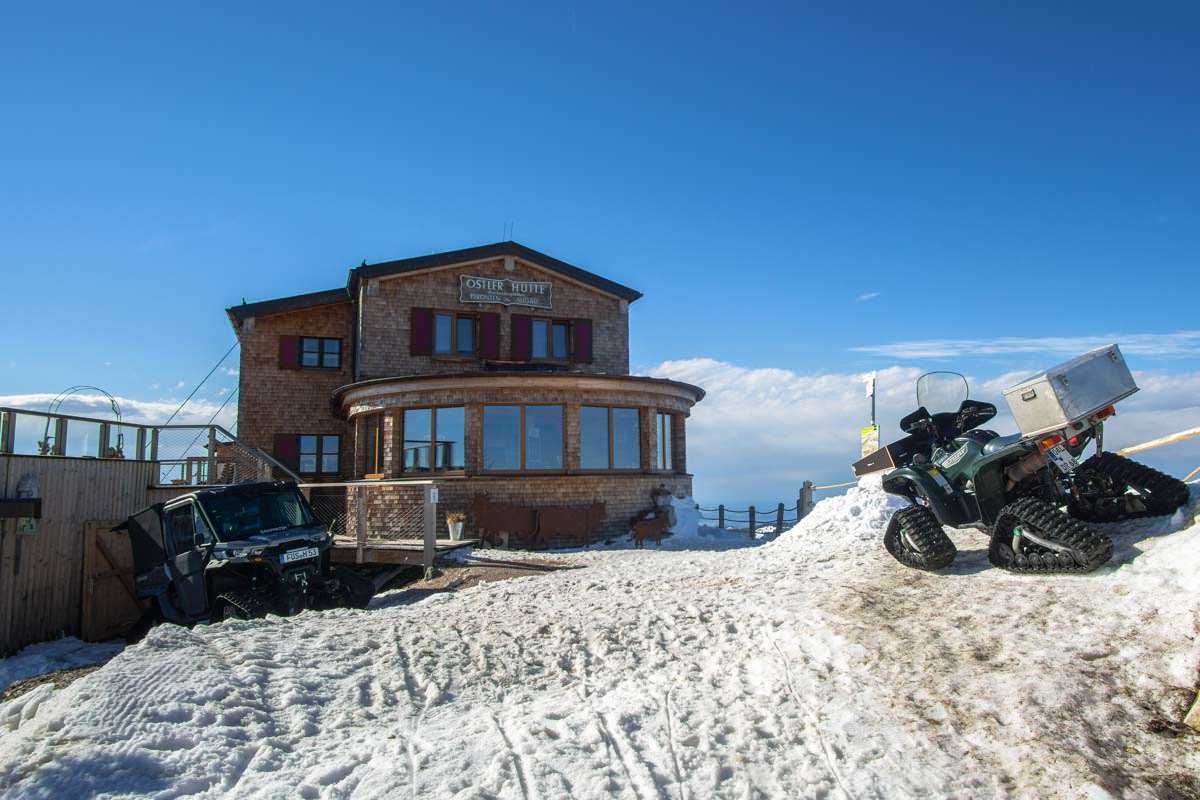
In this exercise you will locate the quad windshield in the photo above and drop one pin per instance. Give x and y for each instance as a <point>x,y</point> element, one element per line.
<point>240,516</point>
<point>939,392</point>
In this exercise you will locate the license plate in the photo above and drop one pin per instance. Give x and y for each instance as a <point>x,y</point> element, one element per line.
<point>1061,458</point>
<point>299,555</point>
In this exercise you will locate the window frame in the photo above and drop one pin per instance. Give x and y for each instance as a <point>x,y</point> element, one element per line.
<point>320,340</point>
<point>453,353</point>
<point>522,434</point>
<point>664,447</point>
<point>398,423</point>
<point>551,323</point>
<point>375,453</point>
<point>612,439</point>
<point>319,454</point>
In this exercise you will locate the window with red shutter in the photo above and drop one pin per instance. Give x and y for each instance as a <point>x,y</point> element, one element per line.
<point>522,337</point>
<point>420,335</point>
<point>285,450</point>
<point>489,336</point>
<point>289,352</point>
<point>581,331</point>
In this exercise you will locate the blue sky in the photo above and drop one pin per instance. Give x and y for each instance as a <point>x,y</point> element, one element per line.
<point>796,189</point>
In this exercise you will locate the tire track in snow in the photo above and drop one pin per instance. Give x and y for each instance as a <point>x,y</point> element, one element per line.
<point>814,722</point>
<point>524,780</point>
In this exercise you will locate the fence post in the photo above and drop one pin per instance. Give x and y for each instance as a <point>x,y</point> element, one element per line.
<point>429,551</point>
<point>721,516</point>
<point>806,499</point>
<point>779,520</point>
<point>752,523</point>
<point>6,431</point>
<point>211,467</point>
<point>360,523</point>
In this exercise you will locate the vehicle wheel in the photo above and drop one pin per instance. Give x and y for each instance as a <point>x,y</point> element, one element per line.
<point>240,605</point>
<point>1031,535</point>
<point>1110,488</point>
<point>357,589</point>
<point>915,538</point>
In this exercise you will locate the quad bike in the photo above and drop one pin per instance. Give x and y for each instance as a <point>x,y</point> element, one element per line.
<point>1028,491</point>
<point>236,552</point>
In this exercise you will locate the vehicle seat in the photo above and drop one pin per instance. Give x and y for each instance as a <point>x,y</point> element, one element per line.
<point>1000,442</point>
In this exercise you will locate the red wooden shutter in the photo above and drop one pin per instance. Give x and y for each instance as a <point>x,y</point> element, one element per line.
<point>289,352</point>
<point>286,449</point>
<point>420,335</point>
<point>581,330</point>
<point>489,335</point>
<point>522,337</point>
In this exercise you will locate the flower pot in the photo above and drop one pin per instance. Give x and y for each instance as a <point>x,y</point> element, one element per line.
<point>456,529</point>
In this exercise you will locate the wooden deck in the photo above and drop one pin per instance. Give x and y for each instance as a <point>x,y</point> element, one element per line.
<point>395,551</point>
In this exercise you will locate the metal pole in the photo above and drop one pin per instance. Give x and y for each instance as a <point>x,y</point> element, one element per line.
<point>752,523</point>
<point>430,548</point>
<point>721,516</point>
<point>360,522</point>
<point>779,520</point>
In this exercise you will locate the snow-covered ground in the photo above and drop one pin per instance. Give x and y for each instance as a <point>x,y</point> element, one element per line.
<point>809,666</point>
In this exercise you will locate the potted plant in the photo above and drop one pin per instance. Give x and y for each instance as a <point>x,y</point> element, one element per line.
<point>455,521</point>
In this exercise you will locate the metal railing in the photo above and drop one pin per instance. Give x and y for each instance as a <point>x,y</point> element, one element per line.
<point>765,521</point>
<point>186,455</point>
<point>378,514</point>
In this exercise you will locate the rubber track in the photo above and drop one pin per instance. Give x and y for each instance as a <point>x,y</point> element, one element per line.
<point>1088,549</point>
<point>1165,493</point>
<point>934,550</point>
<point>247,605</point>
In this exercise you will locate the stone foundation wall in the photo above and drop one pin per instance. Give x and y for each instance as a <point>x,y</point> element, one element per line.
<point>625,497</point>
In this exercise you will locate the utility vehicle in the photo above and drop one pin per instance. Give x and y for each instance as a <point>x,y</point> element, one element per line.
<point>1028,490</point>
<point>239,551</point>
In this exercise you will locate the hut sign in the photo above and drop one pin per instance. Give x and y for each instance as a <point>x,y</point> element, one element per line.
<point>506,291</point>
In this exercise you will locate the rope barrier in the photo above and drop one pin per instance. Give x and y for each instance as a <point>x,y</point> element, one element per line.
<point>835,486</point>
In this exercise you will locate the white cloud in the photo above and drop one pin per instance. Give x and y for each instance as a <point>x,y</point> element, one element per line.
<point>1179,343</point>
<point>222,392</point>
<point>148,412</point>
<point>232,371</point>
<point>759,433</point>
<point>179,384</point>
<point>865,296</point>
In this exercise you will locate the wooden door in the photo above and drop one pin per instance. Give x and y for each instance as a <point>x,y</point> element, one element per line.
<point>110,603</point>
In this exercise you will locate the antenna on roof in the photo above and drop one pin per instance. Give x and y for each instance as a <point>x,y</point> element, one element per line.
<point>364,263</point>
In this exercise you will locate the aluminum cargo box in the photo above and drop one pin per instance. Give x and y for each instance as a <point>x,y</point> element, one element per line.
<point>1071,391</point>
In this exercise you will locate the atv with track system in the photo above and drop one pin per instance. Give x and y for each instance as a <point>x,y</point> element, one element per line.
<point>237,552</point>
<point>1027,490</point>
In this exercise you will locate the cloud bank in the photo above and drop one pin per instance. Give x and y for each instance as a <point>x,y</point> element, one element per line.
<point>759,433</point>
<point>1177,344</point>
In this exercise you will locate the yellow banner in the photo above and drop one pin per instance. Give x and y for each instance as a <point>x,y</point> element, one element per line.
<point>869,436</point>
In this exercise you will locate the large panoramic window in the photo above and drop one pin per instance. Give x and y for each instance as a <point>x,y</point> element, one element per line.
<point>608,438</point>
<point>319,454</point>
<point>664,458</point>
<point>453,335</point>
<point>550,339</point>
<point>522,438</point>
<point>433,439</point>
<point>318,352</point>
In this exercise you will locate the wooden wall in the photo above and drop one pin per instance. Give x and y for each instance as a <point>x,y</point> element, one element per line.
<point>41,574</point>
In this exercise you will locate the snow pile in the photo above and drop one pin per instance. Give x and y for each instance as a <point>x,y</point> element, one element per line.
<point>66,653</point>
<point>813,666</point>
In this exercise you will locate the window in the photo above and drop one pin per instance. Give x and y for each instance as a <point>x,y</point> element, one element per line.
<point>664,458</point>
<point>319,454</point>
<point>608,438</point>
<point>434,439</point>
<point>549,339</point>
<point>372,443</point>
<point>181,528</point>
<point>453,334</point>
<point>317,352</point>
<point>522,437</point>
